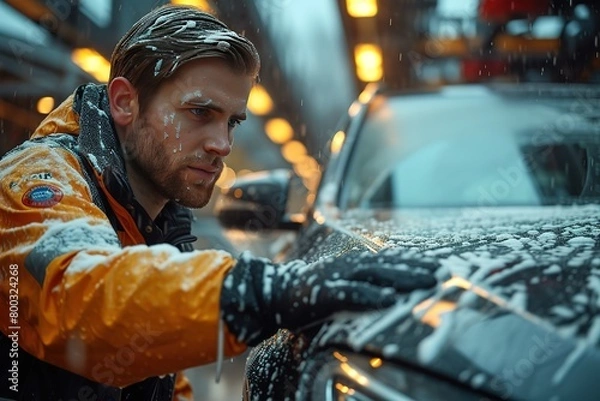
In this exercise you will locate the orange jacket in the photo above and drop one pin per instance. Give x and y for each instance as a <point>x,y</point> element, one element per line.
<point>90,299</point>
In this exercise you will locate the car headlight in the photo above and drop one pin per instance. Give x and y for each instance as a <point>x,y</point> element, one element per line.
<point>343,376</point>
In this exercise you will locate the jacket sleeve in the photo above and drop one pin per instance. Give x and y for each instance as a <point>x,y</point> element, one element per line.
<point>114,315</point>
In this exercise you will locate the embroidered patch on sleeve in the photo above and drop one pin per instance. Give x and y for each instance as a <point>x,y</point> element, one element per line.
<point>42,196</point>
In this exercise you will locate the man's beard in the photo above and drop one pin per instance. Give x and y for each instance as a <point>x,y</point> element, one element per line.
<point>166,177</point>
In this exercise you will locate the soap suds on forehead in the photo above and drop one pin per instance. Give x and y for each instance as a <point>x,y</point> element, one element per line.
<point>195,95</point>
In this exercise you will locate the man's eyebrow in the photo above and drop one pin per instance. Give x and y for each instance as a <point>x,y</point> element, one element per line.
<point>208,103</point>
<point>196,100</point>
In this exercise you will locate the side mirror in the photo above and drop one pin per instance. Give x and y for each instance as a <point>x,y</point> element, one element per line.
<point>258,201</point>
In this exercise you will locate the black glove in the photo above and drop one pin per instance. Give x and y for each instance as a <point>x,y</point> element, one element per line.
<point>258,296</point>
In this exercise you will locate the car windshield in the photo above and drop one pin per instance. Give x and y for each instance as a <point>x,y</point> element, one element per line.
<point>475,147</point>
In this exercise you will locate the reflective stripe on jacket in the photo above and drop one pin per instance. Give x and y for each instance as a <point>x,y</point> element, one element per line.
<point>105,297</point>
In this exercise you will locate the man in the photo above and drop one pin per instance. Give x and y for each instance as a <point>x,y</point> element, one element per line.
<point>107,297</point>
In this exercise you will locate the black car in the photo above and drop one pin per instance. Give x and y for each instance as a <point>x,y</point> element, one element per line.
<point>493,188</point>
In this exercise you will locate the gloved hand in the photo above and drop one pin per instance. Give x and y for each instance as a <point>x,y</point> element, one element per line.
<point>258,296</point>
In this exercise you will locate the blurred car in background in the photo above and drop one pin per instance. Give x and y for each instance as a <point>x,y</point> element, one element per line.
<point>493,188</point>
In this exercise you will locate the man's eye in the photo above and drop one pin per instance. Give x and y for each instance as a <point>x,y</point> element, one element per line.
<point>199,111</point>
<point>234,122</point>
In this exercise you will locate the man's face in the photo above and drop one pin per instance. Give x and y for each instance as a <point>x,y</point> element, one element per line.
<point>176,147</point>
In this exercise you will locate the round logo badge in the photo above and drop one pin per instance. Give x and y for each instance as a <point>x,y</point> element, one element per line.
<point>42,196</point>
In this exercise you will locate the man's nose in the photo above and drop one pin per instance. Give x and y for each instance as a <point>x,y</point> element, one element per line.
<point>218,142</point>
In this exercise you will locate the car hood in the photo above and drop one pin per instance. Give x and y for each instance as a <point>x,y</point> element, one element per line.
<point>517,308</point>
<point>509,227</point>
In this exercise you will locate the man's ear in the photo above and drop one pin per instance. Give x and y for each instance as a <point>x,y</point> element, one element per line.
<point>123,101</point>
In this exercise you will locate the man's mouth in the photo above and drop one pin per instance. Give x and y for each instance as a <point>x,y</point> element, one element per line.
<point>203,172</point>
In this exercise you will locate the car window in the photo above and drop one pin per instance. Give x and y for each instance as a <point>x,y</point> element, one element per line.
<point>471,150</point>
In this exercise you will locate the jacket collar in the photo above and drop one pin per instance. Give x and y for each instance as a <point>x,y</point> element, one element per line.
<point>97,135</point>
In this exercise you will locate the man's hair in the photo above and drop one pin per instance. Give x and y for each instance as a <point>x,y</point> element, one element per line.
<point>170,36</point>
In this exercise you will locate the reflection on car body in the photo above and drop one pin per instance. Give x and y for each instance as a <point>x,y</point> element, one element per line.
<point>493,188</point>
